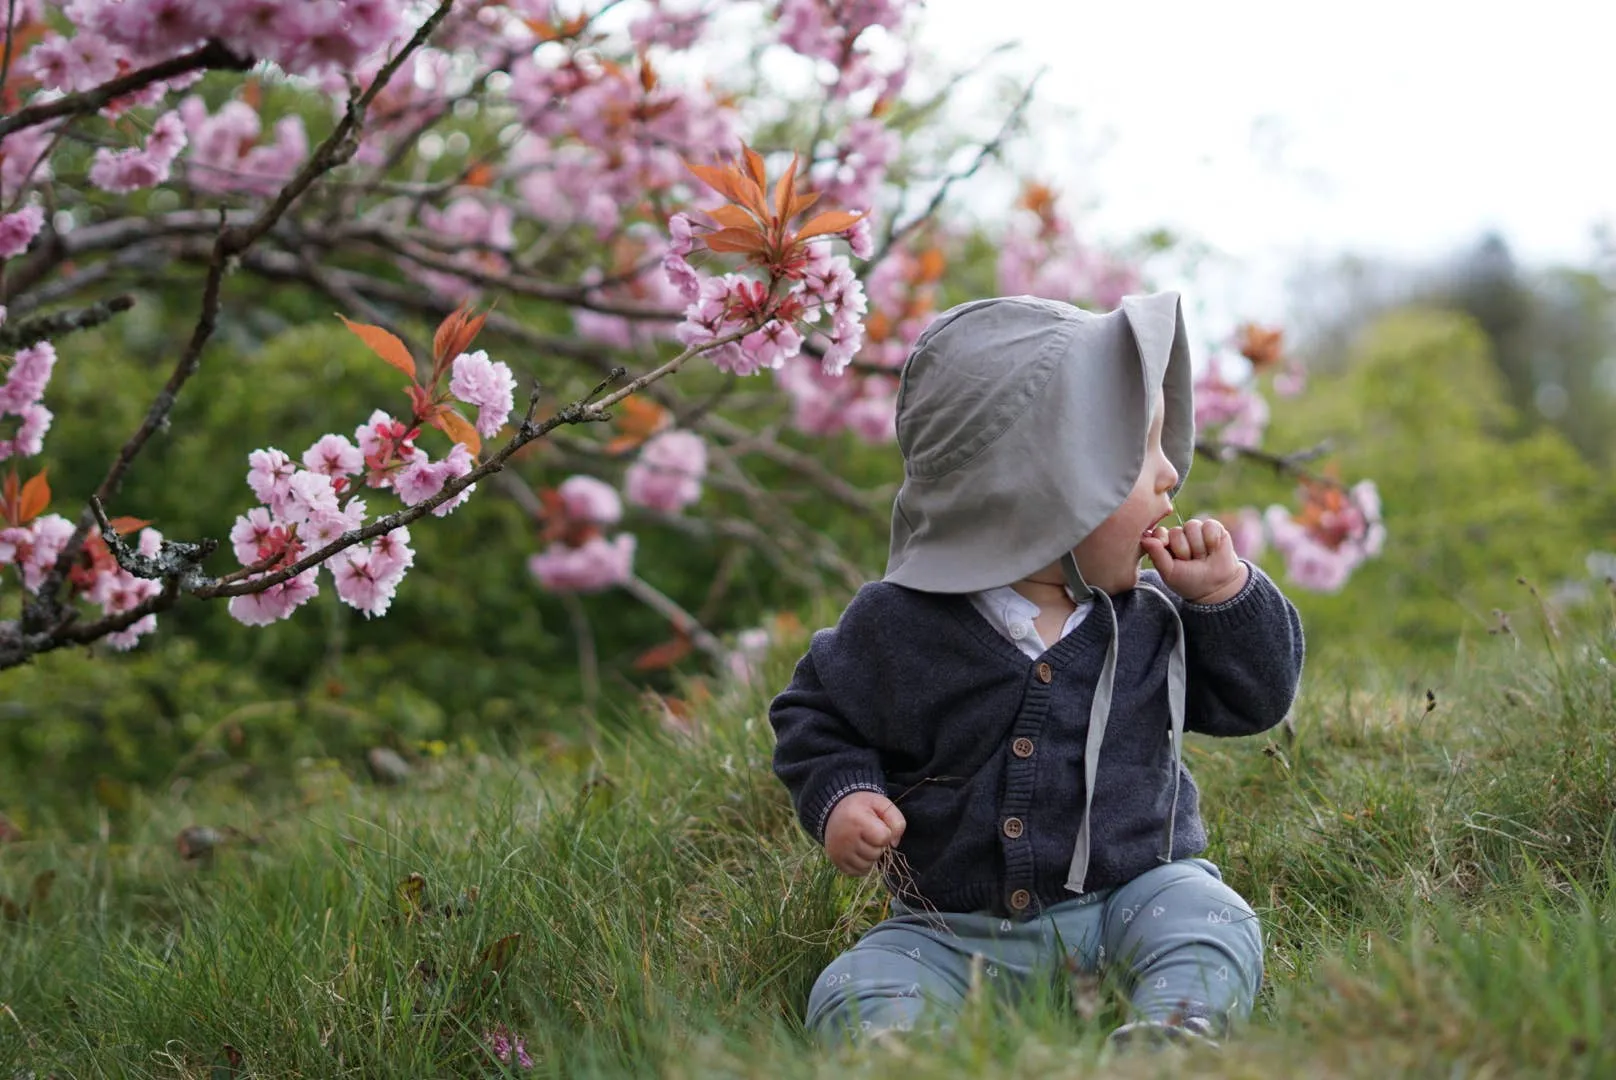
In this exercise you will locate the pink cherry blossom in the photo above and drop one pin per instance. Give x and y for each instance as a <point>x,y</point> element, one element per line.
<point>423,478</point>
<point>276,602</point>
<point>23,159</point>
<point>667,475</point>
<point>360,584</point>
<point>334,456</point>
<point>269,474</point>
<point>585,498</point>
<point>1339,536</point>
<point>38,545</point>
<point>1233,414</point>
<point>30,437</point>
<point>323,526</point>
<point>251,532</point>
<point>485,384</point>
<point>18,230</point>
<point>596,564</point>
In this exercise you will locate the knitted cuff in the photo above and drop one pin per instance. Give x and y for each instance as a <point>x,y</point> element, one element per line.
<point>816,808</point>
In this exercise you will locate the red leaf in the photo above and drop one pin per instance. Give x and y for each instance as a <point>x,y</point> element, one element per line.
<point>456,333</point>
<point>123,526</point>
<point>35,497</point>
<point>384,344</point>
<point>659,657</point>
<point>736,240</point>
<point>733,217</point>
<point>720,179</point>
<point>754,165</point>
<point>799,203</point>
<point>831,221</point>
<point>648,75</point>
<point>785,190</point>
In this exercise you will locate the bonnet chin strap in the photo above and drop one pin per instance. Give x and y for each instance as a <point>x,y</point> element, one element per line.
<point>1100,715</point>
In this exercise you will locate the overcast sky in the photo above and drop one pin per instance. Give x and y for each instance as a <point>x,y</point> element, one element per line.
<point>1278,130</point>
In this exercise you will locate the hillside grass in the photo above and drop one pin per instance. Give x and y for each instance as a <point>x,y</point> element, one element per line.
<point>1434,874</point>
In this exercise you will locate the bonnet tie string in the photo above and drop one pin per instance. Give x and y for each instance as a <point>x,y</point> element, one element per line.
<point>1100,714</point>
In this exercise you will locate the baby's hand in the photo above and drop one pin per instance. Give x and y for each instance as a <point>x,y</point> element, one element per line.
<point>861,826</point>
<point>1197,561</point>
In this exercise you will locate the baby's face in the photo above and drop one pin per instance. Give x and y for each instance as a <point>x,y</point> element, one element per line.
<point>1109,556</point>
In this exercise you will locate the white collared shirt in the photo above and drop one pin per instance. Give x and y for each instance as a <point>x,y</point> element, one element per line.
<point>1013,615</point>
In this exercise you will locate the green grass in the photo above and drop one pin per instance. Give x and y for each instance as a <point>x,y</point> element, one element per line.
<point>1436,885</point>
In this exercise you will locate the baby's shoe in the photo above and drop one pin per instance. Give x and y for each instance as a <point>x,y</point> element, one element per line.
<point>1189,1032</point>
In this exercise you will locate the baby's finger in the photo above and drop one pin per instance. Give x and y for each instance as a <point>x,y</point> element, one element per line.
<point>1178,544</point>
<point>1195,533</point>
<point>867,852</point>
<point>1160,557</point>
<point>874,830</point>
<point>853,865</point>
<point>1215,534</point>
<point>895,822</point>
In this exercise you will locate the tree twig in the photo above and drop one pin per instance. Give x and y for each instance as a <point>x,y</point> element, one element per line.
<point>20,335</point>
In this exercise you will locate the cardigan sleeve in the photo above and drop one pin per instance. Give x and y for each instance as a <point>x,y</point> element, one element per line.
<point>1243,657</point>
<point>825,721</point>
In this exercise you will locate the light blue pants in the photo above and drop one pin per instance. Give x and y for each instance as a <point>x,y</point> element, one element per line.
<point>1181,941</point>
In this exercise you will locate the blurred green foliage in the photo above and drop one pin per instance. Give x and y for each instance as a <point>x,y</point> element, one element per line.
<point>1474,497</point>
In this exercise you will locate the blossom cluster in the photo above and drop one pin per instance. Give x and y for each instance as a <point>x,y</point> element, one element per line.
<point>308,37</point>
<point>1041,254</point>
<point>902,299</point>
<point>1335,532</point>
<point>666,476</point>
<point>310,503</point>
<point>22,411</point>
<point>1234,414</point>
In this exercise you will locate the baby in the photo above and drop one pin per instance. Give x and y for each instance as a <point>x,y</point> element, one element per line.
<point>1006,709</point>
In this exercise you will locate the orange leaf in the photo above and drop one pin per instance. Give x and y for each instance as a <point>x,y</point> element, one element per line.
<point>479,175</point>
<point>35,497</point>
<point>383,344</point>
<point>930,266</point>
<point>736,240</point>
<point>456,333</point>
<point>831,221</point>
<point>1263,346</point>
<point>720,179</point>
<point>659,657</point>
<point>799,203</point>
<point>648,76</point>
<point>754,165</point>
<point>785,189</point>
<point>457,428</point>
<point>732,217</point>
<point>123,526</point>
<point>639,417</point>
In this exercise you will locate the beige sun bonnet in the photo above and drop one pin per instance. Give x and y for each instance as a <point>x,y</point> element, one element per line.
<point>1022,423</point>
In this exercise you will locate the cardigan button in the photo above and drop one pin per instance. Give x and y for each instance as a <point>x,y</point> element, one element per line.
<point>1045,673</point>
<point>1012,827</point>
<point>1020,900</point>
<point>1022,747</point>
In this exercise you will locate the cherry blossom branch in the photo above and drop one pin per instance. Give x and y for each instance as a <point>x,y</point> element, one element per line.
<point>11,41</point>
<point>1285,464</point>
<point>987,150</point>
<point>683,622</point>
<point>214,54</point>
<point>20,335</point>
<point>337,148</point>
